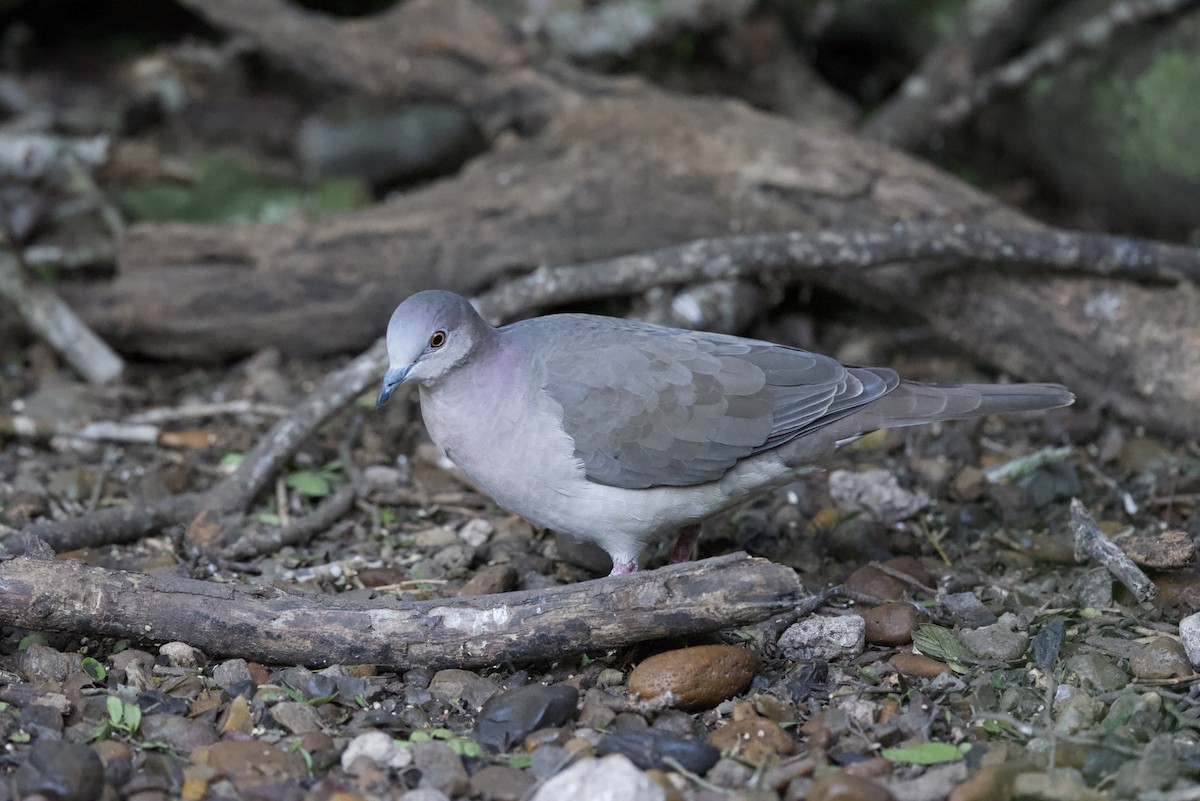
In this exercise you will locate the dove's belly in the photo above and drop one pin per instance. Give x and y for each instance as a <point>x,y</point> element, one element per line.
<point>518,453</point>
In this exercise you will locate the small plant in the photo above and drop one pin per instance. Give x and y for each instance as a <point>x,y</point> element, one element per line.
<point>122,716</point>
<point>459,744</point>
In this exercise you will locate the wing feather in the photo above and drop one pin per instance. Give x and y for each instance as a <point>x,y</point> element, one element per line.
<point>651,406</point>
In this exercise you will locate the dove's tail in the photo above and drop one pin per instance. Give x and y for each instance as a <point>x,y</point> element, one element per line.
<point>913,403</point>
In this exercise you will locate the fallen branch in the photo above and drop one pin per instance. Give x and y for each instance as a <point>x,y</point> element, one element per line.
<point>268,625</point>
<point>795,253</point>
<point>1090,35</point>
<point>53,321</point>
<point>802,253</point>
<point>1092,543</point>
<point>986,30</point>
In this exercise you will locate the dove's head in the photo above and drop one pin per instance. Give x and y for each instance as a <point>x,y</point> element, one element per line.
<point>430,334</point>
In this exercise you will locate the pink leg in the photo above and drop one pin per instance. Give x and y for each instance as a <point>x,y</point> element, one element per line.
<point>684,544</point>
<point>621,568</point>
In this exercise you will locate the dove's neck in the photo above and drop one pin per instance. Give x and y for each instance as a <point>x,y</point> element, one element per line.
<point>493,419</point>
<point>480,400</point>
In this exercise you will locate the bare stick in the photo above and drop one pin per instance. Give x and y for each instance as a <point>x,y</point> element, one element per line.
<point>985,32</point>
<point>269,626</point>
<point>24,427</point>
<point>1091,543</point>
<point>53,321</point>
<point>795,253</point>
<point>300,531</point>
<point>801,253</point>
<point>1091,35</point>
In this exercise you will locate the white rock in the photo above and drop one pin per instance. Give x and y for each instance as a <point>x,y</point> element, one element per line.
<point>182,655</point>
<point>475,532</point>
<point>613,778</point>
<point>1189,634</point>
<point>825,637</point>
<point>379,748</point>
<point>876,492</point>
<point>425,794</point>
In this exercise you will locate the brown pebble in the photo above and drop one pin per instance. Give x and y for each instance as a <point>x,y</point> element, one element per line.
<point>752,739</point>
<point>700,677</point>
<point>1178,593</point>
<point>910,566</point>
<point>840,786</point>
<point>871,581</point>
<point>580,747</point>
<point>785,772</point>
<point>315,742</point>
<point>1161,658</point>
<point>991,783</point>
<point>920,666</point>
<point>549,736</point>
<point>891,624</point>
<point>108,750</point>
<point>501,783</point>
<point>490,580</point>
<point>969,484</point>
<point>873,768</point>
<point>1161,550</point>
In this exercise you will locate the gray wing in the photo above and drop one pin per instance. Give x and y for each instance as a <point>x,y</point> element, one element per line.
<point>650,406</point>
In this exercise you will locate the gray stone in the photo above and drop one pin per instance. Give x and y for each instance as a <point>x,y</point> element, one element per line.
<point>825,637</point>
<point>1005,640</point>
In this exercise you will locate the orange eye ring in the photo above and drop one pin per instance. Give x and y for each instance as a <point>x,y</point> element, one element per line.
<point>438,339</point>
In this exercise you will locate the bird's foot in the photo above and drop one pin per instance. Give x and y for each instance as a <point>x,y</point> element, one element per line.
<point>684,544</point>
<point>623,568</point>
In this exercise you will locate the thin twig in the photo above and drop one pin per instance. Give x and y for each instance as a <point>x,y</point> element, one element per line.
<point>195,410</point>
<point>298,532</point>
<point>777,625</point>
<point>53,321</point>
<point>1091,543</point>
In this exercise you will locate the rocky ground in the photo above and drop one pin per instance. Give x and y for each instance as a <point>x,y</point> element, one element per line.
<point>969,656</point>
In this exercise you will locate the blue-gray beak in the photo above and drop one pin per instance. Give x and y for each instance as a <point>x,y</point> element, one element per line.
<point>392,379</point>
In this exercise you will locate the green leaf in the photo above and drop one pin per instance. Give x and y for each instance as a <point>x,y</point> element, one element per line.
<point>115,709</point>
<point>322,700</point>
<point>308,483</point>
<point>939,643</point>
<point>518,761</point>
<point>132,718</point>
<point>270,518</point>
<point>419,736</point>
<point>19,736</point>
<point>33,638</point>
<point>231,461</point>
<point>927,753</point>
<point>464,746</point>
<point>387,517</point>
<point>94,669</point>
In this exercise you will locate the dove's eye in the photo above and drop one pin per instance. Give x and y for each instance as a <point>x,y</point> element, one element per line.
<point>438,339</point>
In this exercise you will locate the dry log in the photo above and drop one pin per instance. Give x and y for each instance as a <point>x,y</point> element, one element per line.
<point>618,167</point>
<point>269,625</point>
